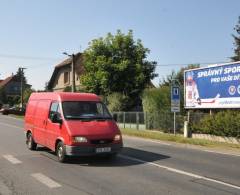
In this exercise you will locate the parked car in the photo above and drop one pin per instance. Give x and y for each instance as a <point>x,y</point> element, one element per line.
<point>71,124</point>
<point>13,110</point>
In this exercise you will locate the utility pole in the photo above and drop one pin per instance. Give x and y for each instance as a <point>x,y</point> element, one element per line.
<point>73,70</point>
<point>73,73</point>
<point>22,73</point>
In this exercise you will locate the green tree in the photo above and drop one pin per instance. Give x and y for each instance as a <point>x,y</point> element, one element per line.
<point>156,105</point>
<point>117,102</point>
<point>179,78</point>
<point>117,63</point>
<point>26,94</point>
<point>67,89</point>
<point>3,97</point>
<point>236,37</point>
<point>20,74</point>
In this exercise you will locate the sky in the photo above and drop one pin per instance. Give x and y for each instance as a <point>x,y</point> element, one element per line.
<point>34,34</point>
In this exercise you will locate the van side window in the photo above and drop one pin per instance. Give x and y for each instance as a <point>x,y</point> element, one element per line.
<point>54,109</point>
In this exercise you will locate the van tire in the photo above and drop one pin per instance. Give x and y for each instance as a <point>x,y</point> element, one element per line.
<point>61,152</point>
<point>31,144</point>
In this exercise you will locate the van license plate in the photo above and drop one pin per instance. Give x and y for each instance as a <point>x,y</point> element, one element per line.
<point>101,150</point>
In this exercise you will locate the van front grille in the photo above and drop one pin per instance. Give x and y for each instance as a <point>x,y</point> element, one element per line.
<point>101,141</point>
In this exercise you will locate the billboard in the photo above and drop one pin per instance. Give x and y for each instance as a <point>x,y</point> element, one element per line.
<point>212,87</point>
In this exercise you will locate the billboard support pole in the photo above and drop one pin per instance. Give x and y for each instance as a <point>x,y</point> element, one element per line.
<point>188,116</point>
<point>210,112</point>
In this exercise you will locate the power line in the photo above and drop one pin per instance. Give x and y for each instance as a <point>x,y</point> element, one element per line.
<point>201,63</point>
<point>58,59</point>
<point>28,57</point>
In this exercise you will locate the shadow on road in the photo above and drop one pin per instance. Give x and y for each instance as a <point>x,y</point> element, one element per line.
<point>123,159</point>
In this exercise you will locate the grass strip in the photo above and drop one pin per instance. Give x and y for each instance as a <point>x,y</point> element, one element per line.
<point>157,135</point>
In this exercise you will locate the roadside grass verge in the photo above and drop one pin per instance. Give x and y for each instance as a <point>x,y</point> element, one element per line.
<point>157,135</point>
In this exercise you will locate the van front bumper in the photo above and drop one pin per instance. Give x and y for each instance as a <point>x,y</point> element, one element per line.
<point>91,150</point>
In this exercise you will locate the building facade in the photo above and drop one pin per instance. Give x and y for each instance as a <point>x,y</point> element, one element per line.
<point>61,79</point>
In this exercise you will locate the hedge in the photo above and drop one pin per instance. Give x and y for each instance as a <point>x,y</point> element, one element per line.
<point>223,123</point>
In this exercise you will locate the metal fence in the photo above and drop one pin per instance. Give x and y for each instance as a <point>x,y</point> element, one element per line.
<point>141,120</point>
<point>133,120</point>
<point>162,121</point>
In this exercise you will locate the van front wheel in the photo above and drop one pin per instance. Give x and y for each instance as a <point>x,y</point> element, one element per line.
<point>61,153</point>
<point>30,142</point>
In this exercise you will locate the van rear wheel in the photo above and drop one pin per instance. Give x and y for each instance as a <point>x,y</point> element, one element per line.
<point>61,152</point>
<point>31,144</point>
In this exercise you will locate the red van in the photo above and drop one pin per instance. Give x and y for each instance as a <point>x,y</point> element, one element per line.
<point>71,124</point>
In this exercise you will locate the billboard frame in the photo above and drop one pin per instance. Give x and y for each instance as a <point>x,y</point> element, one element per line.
<point>209,66</point>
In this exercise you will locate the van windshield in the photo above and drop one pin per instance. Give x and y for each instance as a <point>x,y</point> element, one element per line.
<point>85,110</point>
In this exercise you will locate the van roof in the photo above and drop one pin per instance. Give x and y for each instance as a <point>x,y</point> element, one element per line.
<point>65,96</point>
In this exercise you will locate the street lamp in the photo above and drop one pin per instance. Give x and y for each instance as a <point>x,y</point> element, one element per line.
<point>73,70</point>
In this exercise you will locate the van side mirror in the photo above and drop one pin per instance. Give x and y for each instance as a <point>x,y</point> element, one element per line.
<point>56,118</point>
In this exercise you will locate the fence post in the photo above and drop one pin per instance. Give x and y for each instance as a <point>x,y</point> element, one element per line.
<point>137,120</point>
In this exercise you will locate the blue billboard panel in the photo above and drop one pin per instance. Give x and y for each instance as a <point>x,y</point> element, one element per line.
<point>213,87</point>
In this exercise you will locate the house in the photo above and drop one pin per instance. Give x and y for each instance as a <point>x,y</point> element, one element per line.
<point>61,78</point>
<point>11,86</point>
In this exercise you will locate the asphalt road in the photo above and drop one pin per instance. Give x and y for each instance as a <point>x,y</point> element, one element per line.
<point>143,167</point>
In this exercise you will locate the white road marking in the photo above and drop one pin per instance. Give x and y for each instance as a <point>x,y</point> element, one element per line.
<point>46,180</point>
<point>180,171</point>
<point>12,159</point>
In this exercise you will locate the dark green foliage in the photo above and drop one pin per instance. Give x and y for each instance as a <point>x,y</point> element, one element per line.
<point>157,102</point>
<point>26,94</point>
<point>3,97</point>
<point>20,74</point>
<point>117,63</point>
<point>236,37</point>
<point>117,102</point>
<point>156,105</point>
<point>178,78</point>
<point>67,89</point>
<point>223,123</point>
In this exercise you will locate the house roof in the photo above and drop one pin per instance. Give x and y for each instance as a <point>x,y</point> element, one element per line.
<point>7,80</point>
<point>4,82</point>
<point>63,64</point>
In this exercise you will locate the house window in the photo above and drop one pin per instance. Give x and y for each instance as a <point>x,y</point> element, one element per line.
<point>66,77</point>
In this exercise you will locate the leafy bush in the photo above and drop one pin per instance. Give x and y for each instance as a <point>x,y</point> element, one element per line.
<point>155,102</point>
<point>117,102</point>
<point>157,108</point>
<point>223,123</point>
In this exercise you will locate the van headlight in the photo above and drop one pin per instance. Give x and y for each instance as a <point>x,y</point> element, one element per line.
<point>117,137</point>
<point>79,139</point>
